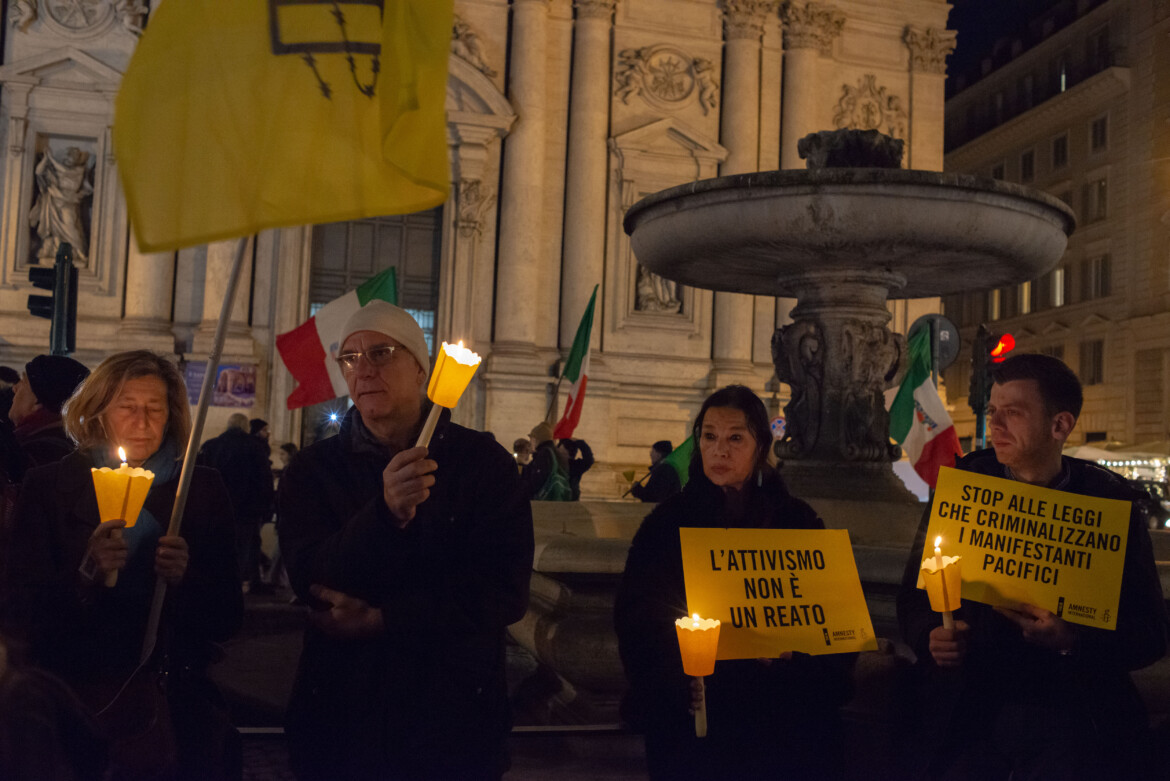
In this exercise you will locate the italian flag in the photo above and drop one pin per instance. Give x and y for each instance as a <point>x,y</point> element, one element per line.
<point>577,372</point>
<point>918,420</point>
<point>309,351</point>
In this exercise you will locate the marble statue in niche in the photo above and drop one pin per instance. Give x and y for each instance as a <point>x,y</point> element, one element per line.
<point>60,209</point>
<point>656,294</point>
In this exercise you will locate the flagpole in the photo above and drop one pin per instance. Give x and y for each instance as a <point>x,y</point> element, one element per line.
<point>160,585</point>
<point>555,397</point>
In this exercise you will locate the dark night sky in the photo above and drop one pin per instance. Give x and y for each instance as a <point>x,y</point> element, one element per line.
<point>980,22</point>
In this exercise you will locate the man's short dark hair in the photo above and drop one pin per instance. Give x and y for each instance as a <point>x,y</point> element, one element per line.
<point>1059,387</point>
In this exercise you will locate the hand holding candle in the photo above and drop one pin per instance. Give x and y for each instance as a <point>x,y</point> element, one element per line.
<point>943,579</point>
<point>120,493</point>
<point>698,642</point>
<point>453,371</point>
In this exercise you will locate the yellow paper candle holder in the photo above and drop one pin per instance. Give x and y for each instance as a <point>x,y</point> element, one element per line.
<point>121,493</point>
<point>453,371</point>
<point>698,642</point>
<point>943,586</point>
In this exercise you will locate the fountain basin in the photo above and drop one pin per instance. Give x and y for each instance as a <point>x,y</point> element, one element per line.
<point>773,233</point>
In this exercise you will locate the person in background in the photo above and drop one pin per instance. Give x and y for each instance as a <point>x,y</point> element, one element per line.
<point>58,604</point>
<point>663,481</point>
<point>414,559</point>
<point>547,476</point>
<point>242,462</point>
<point>768,718</point>
<point>8,377</point>
<point>1022,693</point>
<point>522,452</point>
<point>48,380</point>
<point>580,458</point>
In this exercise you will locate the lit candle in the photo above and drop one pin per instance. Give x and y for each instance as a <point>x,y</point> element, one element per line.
<point>120,493</point>
<point>453,371</point>
<point>943,580</point>
<point>698,642</point>
<point>947,616</point>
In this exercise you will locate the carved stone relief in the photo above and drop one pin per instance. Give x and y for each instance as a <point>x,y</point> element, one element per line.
<point>929,48</point>
<point>811,26</point>
<point>869,107</point>
<point>131,15</point>
<point>656,294</point>
<point>62,203</point>
<point>596,9</point>
<point>22,13</point>
<point>465,44</point>
<point>78,15</point>
<point>798,355</point>
<point>666,78</point>
<point>474,201</point>
<point>745,18</point>
<point>873,354</point>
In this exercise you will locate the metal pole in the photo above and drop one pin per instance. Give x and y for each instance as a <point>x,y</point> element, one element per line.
<point>160,586</point>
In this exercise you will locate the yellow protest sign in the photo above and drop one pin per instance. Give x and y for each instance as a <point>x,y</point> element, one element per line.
<point>1022,543</point>
<point>777,590</point>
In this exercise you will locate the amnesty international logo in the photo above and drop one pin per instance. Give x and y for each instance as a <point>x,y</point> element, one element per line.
<point>314,29</point>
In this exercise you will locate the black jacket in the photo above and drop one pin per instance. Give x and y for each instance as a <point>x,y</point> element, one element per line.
<point>1001,668</point>
<point>757,712</point>
<point>662,484</point>
<point>242,461</point>
<point>427,699</point>
<point>86,633</point>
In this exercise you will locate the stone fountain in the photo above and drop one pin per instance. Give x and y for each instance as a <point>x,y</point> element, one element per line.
<point>843,237</point>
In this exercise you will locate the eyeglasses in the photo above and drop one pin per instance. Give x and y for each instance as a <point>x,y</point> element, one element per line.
<point>377,356</point>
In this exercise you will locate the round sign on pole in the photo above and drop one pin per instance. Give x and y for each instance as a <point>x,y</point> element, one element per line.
<point>946,337</point>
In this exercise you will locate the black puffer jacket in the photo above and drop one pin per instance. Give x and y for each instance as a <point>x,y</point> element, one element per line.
<point>426,699</point>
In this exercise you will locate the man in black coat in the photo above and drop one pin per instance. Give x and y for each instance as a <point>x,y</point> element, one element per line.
<point>663,481</point>
<point>242,461</point>
<point>1023,693</point>
<point>415,560</point>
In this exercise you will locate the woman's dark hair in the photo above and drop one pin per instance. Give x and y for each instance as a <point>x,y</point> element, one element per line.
<point>746,401</point>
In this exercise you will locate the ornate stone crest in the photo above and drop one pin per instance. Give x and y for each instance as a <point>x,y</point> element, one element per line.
<point>666,78</point>
<point>868,107</point>
<point>78,15</point>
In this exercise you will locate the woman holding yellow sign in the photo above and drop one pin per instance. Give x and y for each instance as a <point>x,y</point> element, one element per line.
<point>767,718</point>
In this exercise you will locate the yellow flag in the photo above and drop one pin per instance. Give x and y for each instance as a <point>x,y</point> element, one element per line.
<point>240,115</point>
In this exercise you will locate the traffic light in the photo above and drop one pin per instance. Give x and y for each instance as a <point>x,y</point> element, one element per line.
<point>987,348</point>
<point>61,307</point>
<point>1005,345</point>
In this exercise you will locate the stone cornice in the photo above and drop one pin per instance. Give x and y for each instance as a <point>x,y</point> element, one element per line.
<point>1036,122</point>
<point>745,18</point>
<point>595,9</point>
<point>929,48</point>
<point>811,26</point>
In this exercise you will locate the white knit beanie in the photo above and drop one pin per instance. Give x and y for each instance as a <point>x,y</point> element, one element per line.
<point>385,318</point>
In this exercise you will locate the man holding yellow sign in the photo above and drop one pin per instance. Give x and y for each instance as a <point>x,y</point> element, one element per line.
<point>770,716</point>
<point>1060,599</point>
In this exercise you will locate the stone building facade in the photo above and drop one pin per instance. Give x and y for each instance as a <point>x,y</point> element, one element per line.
<point>1075,105</point>
<point>561,114</point>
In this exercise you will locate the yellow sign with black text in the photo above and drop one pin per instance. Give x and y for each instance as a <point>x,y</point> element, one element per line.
<point>777,590</point>
<point>1021,543</point>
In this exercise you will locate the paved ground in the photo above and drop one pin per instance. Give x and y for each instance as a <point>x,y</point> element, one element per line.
<point>256,677</point>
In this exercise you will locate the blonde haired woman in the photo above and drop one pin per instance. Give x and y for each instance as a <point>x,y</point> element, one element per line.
<point>59,554</point>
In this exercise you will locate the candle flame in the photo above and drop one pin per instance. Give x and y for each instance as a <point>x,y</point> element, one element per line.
<point>121,455</point>
<point>695,618</point>
<point>937,541</point>
<point>461,354</point>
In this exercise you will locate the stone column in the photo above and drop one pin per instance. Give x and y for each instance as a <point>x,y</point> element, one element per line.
<point>585,175</point>
<point>150,282</point>
<point>928,67</point>
<point>522,190</point>
<point>238,344</point>
<point>809,31</point>
<point>739,133</point>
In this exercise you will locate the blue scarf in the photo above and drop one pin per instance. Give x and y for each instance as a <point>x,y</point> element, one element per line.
<point>142,537</point>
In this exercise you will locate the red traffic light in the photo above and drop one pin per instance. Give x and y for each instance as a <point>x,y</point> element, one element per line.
<point>1005,345</point>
